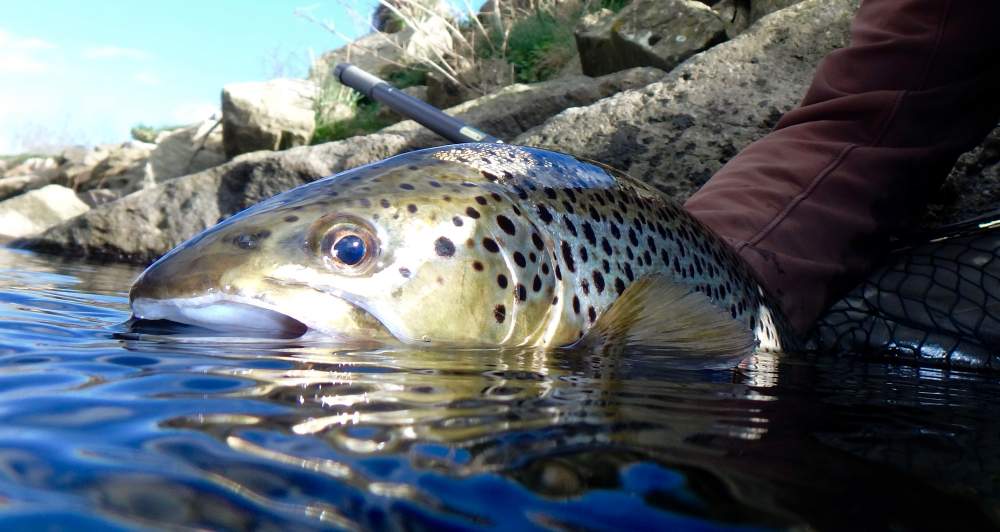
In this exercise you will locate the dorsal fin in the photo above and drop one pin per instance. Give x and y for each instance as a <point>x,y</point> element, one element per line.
<point>655,312</point>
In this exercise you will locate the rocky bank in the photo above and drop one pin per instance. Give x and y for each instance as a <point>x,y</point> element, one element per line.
<point>670,99</point>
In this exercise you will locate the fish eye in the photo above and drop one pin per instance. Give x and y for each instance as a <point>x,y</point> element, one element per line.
<point>348,247</point>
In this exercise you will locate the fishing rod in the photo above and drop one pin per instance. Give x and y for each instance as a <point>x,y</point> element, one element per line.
<point>449,127</point>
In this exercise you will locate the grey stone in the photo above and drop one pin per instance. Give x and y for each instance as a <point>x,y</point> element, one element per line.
<point>738,18</point>
<point>37,210</point>
<point>18,184</point>
<point>187,150</point>
<point>270,115</point>
<point>123,169</point>
<point>679,131</point>
<point>142,226</point>
<point>43,167</point>
<point>658,33</point>
<point>972,188</point>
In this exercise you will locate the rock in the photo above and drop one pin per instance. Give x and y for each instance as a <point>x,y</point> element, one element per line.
<point>381,53</point>
<point>43,167</point>
<point>738,18</point>
<point>676,133</point>
<point>98,196</point>
<point>187,150</point>
<point>19,184</point>
<point>37,210</point>
<point>972,189</point>
<point>77,164</point>
<point>484,76</point>
<point>269,115</point>
<point>123,169</point>
<point>142,226</point>
<point>659,33</point>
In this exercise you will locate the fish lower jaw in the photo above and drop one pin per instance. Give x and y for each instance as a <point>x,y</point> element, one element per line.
<point>219,313</point>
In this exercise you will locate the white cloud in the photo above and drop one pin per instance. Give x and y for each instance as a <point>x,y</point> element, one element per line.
<point>147,77</point>
<point>189,113</point>
<point>115,52</point>
<point>20,55</point>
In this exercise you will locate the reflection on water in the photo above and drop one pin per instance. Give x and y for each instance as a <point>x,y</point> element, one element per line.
<point>106,426</point>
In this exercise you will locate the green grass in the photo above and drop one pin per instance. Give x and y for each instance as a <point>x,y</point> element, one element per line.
<point>615,5</point>
<point>365,121</point>
<point>146,133</point>
<point>538,46</point>
<point>409,77</point>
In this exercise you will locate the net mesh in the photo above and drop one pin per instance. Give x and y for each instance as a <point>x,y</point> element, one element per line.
<point>936,303</point>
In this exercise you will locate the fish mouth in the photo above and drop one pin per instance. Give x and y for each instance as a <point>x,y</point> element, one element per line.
<point>220,313</point>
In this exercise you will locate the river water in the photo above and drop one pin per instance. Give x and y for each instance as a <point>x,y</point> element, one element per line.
<point>103,425</point>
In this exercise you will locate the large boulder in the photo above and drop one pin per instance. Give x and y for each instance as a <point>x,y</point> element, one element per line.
<point>658,33</point>
<point>42,167</point>
<point>269,115</point>
<point>676,133</point>
<point>187,150</point>
<point>77,163</point>
<point>19,184</point>
<point>123,169</point>
<point>37,210</point>
<point>141,227</point>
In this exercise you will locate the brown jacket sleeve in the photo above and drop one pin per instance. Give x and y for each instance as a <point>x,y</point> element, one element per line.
<point>810,206</point>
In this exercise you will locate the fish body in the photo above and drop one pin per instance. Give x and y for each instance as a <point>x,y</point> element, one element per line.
<point>469,245</point>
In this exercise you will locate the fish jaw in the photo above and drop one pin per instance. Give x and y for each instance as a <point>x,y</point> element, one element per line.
<point>219,312</point>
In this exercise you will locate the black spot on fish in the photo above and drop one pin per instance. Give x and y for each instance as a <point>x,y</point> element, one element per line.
<point>598,282</point>
<point>585,285</point>
<point>384,203</point>
<point>488,176</point>
<point>569,194</point>
<point>291,218</point>
<point>457,221</point>
<point>628,273</point>
<point>502,280</point>
<point>569,225</point>
<point>412,208</point>
<point>472,213</point>
<point>496,197</point>
<point>558,273</point>
<point>491,245</point>
<point>537,241</point>
<point>584,256</point>
<point>405,272</point>
<point>569,207</point>
<point>606,246</point>
<point>549,192</point>
<point>632,238</point>
<point>588,233</point>
<point>536,284</point>
<point>500,313</point>
<point>444,247</point>
<point>532,257</point>
<point>468,184</point>
<point>567,253</point>
<point>406,186</point>
<point>478,266</point>
<point>607,266</point>
<point>576,304</point>
<point>519,259</point>
<point>545,268</point>
<point>615,232</point>
<point>434,184</point>
<point>592,314</point>
<point>365,202</point>
<point>521,292</point>
<point>480,200</point>
<point>544,214</point>
<point>619,285</point>
<point>505,224</point>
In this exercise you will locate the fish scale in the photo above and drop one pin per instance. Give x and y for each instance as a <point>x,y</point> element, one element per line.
<point>478,244</point>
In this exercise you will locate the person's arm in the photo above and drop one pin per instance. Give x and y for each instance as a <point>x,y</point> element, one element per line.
<point>810,206</point>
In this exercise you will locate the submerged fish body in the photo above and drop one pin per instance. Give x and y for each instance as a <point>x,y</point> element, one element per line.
<point>469,245</point>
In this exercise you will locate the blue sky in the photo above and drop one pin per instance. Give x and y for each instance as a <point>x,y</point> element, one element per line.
<point>86,72</point>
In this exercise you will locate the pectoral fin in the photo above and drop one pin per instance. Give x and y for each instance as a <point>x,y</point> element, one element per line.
<point>655,312</point>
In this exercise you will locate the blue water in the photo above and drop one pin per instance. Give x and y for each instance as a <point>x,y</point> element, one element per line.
<point>109,427</point>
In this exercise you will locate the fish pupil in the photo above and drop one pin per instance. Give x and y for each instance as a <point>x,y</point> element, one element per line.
<point>349,250</point>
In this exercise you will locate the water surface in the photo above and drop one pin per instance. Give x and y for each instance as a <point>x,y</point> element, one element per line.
<point>103,426</point>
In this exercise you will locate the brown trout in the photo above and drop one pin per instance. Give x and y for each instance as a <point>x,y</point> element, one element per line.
<point>469,245</point>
